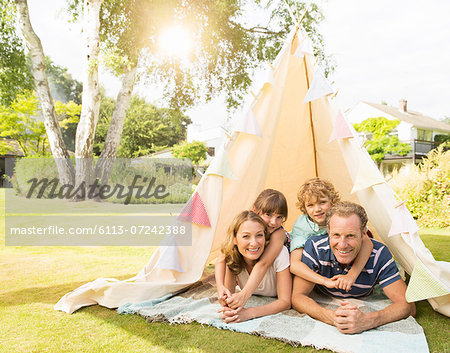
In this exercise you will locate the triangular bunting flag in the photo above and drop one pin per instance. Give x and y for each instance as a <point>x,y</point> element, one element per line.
<point>319,87</point>
<point>304,48</point>
<point>423,285</point>
<point>307,46</point>
<point>221,166</point>
<point>269,80</point>
<point>402,222</point>
<point>368,175</point>
<point>195,212</point>
<point>169,258</point>
<point>341,130</point>
<point>299,52</point>
<point>248,124</point>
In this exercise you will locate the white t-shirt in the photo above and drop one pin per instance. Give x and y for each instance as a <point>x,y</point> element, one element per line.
<point>268,285</point>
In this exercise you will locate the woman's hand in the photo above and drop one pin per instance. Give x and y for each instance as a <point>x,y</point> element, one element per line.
<point>231,316</point>
<point>237,300</point>
<point>223,294</point>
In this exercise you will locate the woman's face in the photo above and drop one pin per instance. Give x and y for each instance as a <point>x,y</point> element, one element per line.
<point>250,240</point>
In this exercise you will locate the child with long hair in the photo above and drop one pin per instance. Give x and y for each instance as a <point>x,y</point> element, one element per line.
<point>271,206</point>
<point>242,250</point>
<point>315,197</point>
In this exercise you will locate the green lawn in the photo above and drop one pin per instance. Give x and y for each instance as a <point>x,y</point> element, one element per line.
<point>33,279</point>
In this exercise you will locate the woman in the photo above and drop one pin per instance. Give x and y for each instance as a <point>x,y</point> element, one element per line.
<point>246,239</point>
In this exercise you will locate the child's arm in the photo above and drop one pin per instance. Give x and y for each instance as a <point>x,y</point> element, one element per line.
<point>272,250</point>
<point>300,269</point>
<point>223,292</point>
<point>283,302</point>
<point>346,282</point>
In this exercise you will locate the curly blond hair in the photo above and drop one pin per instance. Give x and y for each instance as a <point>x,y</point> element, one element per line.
<point>316,188</point>
<point>233,258</point>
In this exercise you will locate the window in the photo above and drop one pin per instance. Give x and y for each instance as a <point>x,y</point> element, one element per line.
<point>424,135</point>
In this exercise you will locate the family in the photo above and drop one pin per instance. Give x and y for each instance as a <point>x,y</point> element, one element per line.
<point>328,248</point>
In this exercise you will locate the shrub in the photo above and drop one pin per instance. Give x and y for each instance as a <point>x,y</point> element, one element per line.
<point>175,175</point>
<point>196,151</point>
<point>426,189</point>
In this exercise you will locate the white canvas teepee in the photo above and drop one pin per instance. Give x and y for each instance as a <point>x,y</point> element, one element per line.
<point>291,132</point>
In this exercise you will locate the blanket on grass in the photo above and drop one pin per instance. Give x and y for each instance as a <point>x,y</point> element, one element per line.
<point>200,304</point>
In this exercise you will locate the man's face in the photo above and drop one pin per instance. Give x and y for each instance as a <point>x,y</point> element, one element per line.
<point>345,238</point>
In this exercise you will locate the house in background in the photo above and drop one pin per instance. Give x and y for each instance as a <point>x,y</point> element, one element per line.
<point>7,161</point>
<point>422,132</point>
<point>212,137</point>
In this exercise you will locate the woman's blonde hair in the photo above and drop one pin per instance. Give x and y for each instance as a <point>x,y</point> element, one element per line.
<point>233,258</point>
<point>271,201</point>
<point>316,188</point>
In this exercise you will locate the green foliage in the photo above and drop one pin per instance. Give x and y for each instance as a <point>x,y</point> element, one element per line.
<point>174,175</point>
<point>441,138</point>
<point>15,74</point>
<point>195,151</point>
<point>63,87</point>
<point>31,167</point>
<point>20,122</point>
<point>226,48</point>
<point>381,142</point>
<point>426,188</point>
<point>147,129</point>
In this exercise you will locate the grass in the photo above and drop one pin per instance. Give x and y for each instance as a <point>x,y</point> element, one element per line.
<point>33,279</point>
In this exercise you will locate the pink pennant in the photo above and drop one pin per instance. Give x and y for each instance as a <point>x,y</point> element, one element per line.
<point>403,222</point>
<point>195,212</point>
<point>341,130</point>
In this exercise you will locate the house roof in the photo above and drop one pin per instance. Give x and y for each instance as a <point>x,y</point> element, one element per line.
<point>415,118</point>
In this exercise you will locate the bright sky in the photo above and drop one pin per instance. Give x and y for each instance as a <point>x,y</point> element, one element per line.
<point>385,51</point>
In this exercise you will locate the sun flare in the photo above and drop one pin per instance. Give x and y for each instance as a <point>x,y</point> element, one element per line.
<point>175,42</point>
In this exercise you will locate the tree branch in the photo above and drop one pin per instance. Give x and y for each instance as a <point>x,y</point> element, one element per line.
<point>258,29</point>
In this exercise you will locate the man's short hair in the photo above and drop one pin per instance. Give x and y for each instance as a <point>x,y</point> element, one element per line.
<point>346,209</point>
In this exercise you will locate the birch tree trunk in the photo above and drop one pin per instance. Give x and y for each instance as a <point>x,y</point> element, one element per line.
<point>60,154</point>
<point>109,152</point>
<point>90,98</point>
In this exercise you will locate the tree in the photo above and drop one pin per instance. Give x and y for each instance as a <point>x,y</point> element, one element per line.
<point>195,151</point>
<point>63,87</point>
<point>20,122</point>
<point>381,140</point>
<point>225,54</point>
<point>15,74</point>
<point>147,128</point>
<point>57,145</point>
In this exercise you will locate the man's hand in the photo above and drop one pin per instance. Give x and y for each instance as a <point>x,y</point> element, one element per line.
<point>222,295</point>
<point>344,282</point>
<point>231,316</point>
<point>237,300</point>
<point>349,319</point>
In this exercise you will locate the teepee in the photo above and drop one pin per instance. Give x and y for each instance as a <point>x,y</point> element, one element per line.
<point>291,132</point>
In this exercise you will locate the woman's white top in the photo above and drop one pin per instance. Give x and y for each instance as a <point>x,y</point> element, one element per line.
<point>268,285</point>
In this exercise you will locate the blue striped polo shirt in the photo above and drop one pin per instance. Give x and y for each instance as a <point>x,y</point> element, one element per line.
<point>379,269</point>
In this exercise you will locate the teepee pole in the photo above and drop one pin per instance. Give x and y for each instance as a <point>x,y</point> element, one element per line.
<point>311,122</point>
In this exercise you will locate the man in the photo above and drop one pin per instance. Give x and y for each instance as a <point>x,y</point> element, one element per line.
<point>333,254</point>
